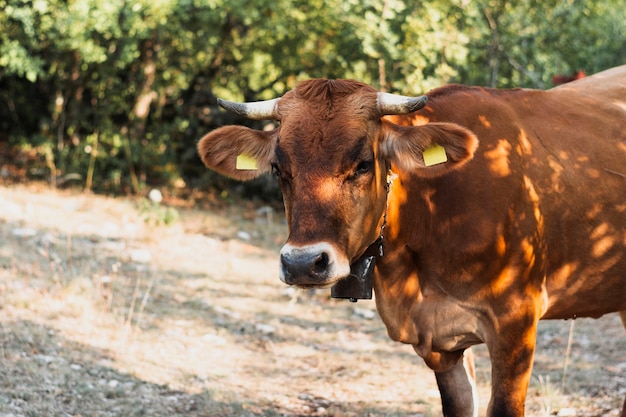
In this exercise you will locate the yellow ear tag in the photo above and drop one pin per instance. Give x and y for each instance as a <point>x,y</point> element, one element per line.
<point>246,162</point>
<point>434,155</point>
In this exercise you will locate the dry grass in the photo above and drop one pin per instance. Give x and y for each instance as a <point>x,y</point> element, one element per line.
<point>102,314</point>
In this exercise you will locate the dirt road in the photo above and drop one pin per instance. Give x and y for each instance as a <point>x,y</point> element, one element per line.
<point>106,312</point>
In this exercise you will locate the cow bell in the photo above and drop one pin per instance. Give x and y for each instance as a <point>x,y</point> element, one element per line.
<point>358,285</point>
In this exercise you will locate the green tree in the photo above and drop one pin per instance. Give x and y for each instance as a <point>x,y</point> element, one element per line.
<point>117,93</point>
<point>525,42</point>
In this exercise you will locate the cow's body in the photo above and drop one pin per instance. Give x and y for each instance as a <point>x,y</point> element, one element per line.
<point>476,250</point>
<point>562,78</point>
<point>534,227</point>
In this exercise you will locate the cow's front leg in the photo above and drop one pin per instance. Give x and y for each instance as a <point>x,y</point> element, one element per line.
<point>457,387</point>
<point>512,351</point>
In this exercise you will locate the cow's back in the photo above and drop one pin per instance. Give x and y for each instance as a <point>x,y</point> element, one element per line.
<point>579,168</point>
<point>609,84</point>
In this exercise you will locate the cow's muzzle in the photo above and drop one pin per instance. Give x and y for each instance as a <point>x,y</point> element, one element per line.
<point>317,265</point>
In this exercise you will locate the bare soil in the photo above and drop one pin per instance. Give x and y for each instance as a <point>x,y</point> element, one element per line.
<point>104,311</point>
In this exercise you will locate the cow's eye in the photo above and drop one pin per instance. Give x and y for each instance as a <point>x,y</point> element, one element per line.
<point>276,171</point>
<point>363,168</point>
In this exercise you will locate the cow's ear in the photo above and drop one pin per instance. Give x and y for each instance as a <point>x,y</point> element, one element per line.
<point>429,150</point>
<point>238,152</point>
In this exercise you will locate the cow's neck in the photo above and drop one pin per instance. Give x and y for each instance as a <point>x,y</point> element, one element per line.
<point>379,241</point>
<point>397,282</point>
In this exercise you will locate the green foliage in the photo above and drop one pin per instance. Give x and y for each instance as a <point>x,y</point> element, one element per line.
<point>119,92</point>
<point>526,42</point>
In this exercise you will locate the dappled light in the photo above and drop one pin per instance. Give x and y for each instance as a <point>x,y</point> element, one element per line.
<point>484,121</point>
<point>468,212</point>
<point>201,326</point>
<point>603,240</point>
<point>498,158</point>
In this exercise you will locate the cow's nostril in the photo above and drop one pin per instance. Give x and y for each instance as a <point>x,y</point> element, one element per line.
<point>321,263</point>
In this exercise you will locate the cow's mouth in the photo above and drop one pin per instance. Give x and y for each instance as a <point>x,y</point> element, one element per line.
<point>316,286</point>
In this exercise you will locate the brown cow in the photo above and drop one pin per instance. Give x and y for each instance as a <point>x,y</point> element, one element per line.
<point>562,79</point>
<point>504,207</point>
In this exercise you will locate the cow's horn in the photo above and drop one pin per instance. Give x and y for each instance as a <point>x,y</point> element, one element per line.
<point>397,104</point>
<point>257,110</point>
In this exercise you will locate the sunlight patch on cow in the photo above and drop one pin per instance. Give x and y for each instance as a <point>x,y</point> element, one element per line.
<point>525,147</point>
<point>419,120</point>
<point>498,159</point>
<point>605,263</point>
<point>602,246</point>
<point>504,281</point>
<point>528,250</point>
<point>594,173</point>
<point>599,231</point>
<point>604,240</point>
<point>500,245</point>
<point>411,288</point>
<point>398,198</point>
<point>534,198</point>
<point>325,191</point>
<point>595,210</point>
<point>557,168</point>
<point>564,272</point>
<point>484,121</point>
<point>620,104</point>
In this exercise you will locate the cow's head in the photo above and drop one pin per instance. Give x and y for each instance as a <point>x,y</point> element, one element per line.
<point>331,155</point>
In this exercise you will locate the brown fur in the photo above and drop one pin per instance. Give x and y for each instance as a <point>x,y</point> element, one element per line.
<point>525,221</point>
